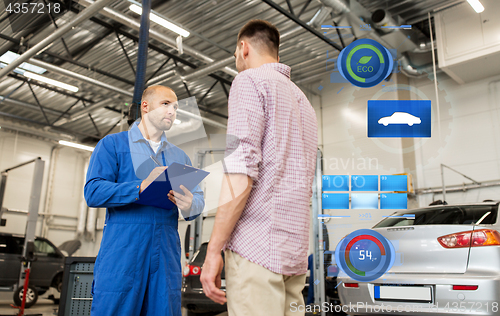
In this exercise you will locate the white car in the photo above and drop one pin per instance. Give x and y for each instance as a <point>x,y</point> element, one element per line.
<point>449,264</point>
<point>400,118</point>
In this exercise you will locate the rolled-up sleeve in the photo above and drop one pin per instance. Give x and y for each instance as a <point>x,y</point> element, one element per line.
<point>101,189</point>
<point>245,128</point>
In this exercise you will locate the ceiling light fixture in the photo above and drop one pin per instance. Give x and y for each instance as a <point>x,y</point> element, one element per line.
<point>476,5</point>
<point>50,81</point>
<point>9,57</point>
<point>161,21</point>
<point>75,145</point>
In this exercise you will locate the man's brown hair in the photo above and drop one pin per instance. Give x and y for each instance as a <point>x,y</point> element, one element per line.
<point>263,34</point>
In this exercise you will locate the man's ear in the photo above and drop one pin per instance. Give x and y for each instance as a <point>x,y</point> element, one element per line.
<point>145,107</point>
<point>245,49</point>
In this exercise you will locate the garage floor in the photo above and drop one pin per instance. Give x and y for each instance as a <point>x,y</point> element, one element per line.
<point>43,307</point>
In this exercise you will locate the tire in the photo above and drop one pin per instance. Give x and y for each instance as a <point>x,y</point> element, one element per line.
<point>31,297</point>
<point>59,283</point>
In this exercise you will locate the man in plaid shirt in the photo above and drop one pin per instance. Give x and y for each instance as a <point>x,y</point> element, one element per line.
<point>263,217</point>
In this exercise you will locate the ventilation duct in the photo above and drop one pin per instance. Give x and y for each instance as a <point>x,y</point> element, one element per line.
<point>320,16</point>
<point>381,18</point>
<point>338,6</point>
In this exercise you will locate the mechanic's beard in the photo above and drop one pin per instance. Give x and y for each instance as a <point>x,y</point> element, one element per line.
<point>162,126</point>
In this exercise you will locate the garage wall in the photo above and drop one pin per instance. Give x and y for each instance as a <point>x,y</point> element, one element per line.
<point>67,188</point>
<point>473,144</point>
<point>16,149</point>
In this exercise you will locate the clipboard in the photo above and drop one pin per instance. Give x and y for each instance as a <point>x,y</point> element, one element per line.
<point>171,179</point>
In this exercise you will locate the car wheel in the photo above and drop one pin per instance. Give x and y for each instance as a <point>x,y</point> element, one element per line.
<point>31,296</point>
<point>57,283</point>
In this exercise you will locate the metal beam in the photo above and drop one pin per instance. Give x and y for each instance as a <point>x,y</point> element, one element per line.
<point>278,8</point>
<point>67,110</point>
<point>62,130</point>
<point>81,51</point>
<point>14,90</point>
<point>56,26</point>
<point>202,71</point>
<point>93,123</point>
<point>71,95</point>
<point>159,49</point>
<point>79,77</point>
<point>113,127</point>
<point>29,106</point>
<point>290,7</point>
<point>80,18</point>
<point>159,68</point>
<point>224,88</point>
<point>169,41</point>
<point>101,84</point>
<point>38,103</point>
<point>74,62</point>
<point>161,78</point>
<point>208,91</point>
<point>125,52</point>
<point>81,113</point>
<point>304,8</point>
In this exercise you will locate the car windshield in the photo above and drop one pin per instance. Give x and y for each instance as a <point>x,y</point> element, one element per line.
<point>447,215</point>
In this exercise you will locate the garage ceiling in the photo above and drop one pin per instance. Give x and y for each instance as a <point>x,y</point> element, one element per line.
<point>105,50</point>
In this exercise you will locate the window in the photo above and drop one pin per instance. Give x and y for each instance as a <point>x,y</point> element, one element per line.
<point>449,215</point>
<point>43,248</point>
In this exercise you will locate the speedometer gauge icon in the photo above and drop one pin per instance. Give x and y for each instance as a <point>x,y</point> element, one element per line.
<point>365,255</point>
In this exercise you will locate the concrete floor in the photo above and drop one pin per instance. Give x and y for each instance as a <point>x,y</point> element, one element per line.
<point>44,306</point>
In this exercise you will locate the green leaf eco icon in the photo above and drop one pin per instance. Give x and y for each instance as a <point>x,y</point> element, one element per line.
<point>363,60</point>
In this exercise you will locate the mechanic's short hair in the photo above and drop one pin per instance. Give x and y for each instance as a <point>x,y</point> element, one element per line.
<point>263,34</point>
<point>150,91</point>
<point>135,110</point>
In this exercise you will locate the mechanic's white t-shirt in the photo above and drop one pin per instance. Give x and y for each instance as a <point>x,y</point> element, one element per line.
<point>154,145</point>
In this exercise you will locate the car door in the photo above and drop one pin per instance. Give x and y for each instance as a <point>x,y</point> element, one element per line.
<point>10,262</point>
<point>48,262</point>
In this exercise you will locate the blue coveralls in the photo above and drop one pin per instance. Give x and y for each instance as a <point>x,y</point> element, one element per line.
<point>138,268</point>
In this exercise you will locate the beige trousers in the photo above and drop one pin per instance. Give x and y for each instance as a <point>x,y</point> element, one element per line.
<point>253,290</point>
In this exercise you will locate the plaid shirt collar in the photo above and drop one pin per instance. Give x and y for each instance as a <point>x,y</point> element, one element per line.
<point>281,68</point>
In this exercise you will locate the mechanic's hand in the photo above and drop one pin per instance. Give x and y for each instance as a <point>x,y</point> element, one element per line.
<point>211,278</point>
<point>182,201</point>
<point>152,176</point>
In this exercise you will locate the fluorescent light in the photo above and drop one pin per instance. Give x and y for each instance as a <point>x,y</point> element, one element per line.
<point>50,81</point>
<point>177,122</point>
<point>476,5</point>
<point>161,21</point>
<point>75,145</point>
